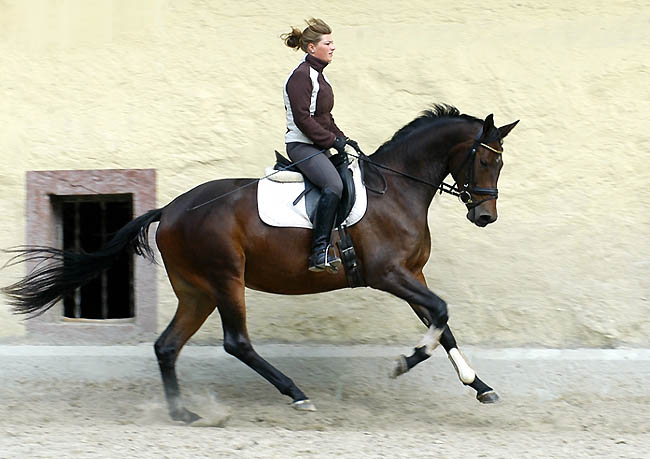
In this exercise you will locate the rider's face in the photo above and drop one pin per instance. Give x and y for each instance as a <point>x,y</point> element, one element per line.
<point>324,50</point>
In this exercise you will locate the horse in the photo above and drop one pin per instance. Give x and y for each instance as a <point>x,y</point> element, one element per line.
<point>212,252</point>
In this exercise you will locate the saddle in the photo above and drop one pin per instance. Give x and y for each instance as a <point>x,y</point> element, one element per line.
<point>312,193</point>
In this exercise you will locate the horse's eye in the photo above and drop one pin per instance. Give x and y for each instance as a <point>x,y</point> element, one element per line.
<point>484,163</point>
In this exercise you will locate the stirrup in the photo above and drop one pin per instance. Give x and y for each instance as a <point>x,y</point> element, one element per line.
<point>330,264</point>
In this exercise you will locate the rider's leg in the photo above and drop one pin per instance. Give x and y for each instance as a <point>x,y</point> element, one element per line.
<point>322,232</point>
<point>322,173</point>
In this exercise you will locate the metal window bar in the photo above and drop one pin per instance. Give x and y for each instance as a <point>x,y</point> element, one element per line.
<point>77,247</point>
<point>104,275</point>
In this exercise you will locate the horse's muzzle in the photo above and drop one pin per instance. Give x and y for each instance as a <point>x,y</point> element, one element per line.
<point>481,217</point>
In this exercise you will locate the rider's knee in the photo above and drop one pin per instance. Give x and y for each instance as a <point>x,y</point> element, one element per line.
<point>335,186</point>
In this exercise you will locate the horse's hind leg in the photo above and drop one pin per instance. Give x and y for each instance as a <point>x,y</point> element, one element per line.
<point>237,343</point>
<point>194,307</point>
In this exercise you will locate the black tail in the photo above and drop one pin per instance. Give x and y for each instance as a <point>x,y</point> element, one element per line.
<point>64,271</point>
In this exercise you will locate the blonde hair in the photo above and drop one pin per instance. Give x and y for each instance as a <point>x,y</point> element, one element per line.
<point>296,39</point>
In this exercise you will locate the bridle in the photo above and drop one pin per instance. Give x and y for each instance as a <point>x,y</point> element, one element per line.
<point>465,192</point>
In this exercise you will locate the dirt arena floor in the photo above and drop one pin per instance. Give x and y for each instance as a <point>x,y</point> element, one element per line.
<point>88,402</point>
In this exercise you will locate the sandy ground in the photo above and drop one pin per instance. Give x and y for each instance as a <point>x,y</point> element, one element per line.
<point>87,402</point>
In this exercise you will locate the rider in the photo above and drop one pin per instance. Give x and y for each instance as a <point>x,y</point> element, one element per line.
<point>308,100</point>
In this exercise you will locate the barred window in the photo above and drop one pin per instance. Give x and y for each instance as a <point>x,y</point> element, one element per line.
<point>87,223</point>
<point>82,209</point>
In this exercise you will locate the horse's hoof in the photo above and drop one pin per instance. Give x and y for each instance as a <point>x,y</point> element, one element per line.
<point>185,416</point>
<point>488,397</point>
<point>303,405</point>
<point>401,367</point>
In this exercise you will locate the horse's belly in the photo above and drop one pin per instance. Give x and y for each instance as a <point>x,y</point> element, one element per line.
<point>289,281</point>
<point>276,261</point>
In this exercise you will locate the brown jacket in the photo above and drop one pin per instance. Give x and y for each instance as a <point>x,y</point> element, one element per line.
<point>308,99</point>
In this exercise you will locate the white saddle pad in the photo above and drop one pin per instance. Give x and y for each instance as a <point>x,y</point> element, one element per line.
<point>275,202</point>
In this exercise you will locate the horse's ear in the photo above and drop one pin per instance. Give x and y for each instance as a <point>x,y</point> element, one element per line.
<point>505,130</point>
<point>488,126</point>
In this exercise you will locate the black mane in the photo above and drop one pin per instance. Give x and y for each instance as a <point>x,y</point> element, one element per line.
<point>428,118</point>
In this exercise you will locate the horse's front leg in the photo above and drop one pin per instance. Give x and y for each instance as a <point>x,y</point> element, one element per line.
<point>465,372</point>
<point>410,287</point>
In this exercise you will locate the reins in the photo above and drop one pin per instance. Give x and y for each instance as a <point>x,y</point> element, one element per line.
<point>464,194</point>
<point>443,187</point>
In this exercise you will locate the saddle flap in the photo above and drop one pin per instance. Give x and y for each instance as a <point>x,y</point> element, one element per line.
<point>349,196</point>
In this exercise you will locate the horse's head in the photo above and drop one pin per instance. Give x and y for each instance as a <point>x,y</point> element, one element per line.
<point>477,171</point>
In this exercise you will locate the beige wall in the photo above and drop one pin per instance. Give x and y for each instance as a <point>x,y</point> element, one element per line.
<point>194,90</point>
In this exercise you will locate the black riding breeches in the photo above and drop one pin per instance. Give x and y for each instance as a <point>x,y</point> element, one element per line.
<point>319,169</point>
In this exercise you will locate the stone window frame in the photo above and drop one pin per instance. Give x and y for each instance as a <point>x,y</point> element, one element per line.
<point>44,229</point>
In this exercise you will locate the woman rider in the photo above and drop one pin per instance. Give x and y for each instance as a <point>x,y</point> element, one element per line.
<point>308,100</point>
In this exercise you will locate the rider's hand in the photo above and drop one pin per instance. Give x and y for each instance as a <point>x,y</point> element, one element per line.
<point>353,144</point>
<point>339,144</point>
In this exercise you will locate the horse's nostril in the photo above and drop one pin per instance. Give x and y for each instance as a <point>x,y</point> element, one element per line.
<point>485,219</point>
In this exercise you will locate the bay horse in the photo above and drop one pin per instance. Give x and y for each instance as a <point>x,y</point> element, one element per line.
<point>211,252</point>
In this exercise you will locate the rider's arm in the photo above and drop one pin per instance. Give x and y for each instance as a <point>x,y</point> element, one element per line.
<point>299,91</point>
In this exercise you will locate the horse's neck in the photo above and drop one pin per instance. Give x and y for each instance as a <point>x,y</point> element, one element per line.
<point>425,157</point>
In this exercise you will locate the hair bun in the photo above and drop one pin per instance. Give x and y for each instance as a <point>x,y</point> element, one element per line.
<point>292,39</point>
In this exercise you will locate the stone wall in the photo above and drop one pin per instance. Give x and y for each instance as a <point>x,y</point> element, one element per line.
<point>194,90</point>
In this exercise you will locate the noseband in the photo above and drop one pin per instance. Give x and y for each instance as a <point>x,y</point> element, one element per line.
<point>465,192</point>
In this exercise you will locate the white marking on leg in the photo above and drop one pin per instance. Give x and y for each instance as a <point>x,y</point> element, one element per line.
<point>466,373</point>
<point>430,340</point>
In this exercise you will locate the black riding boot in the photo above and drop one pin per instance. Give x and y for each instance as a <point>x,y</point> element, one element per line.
<point>322,233</point>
